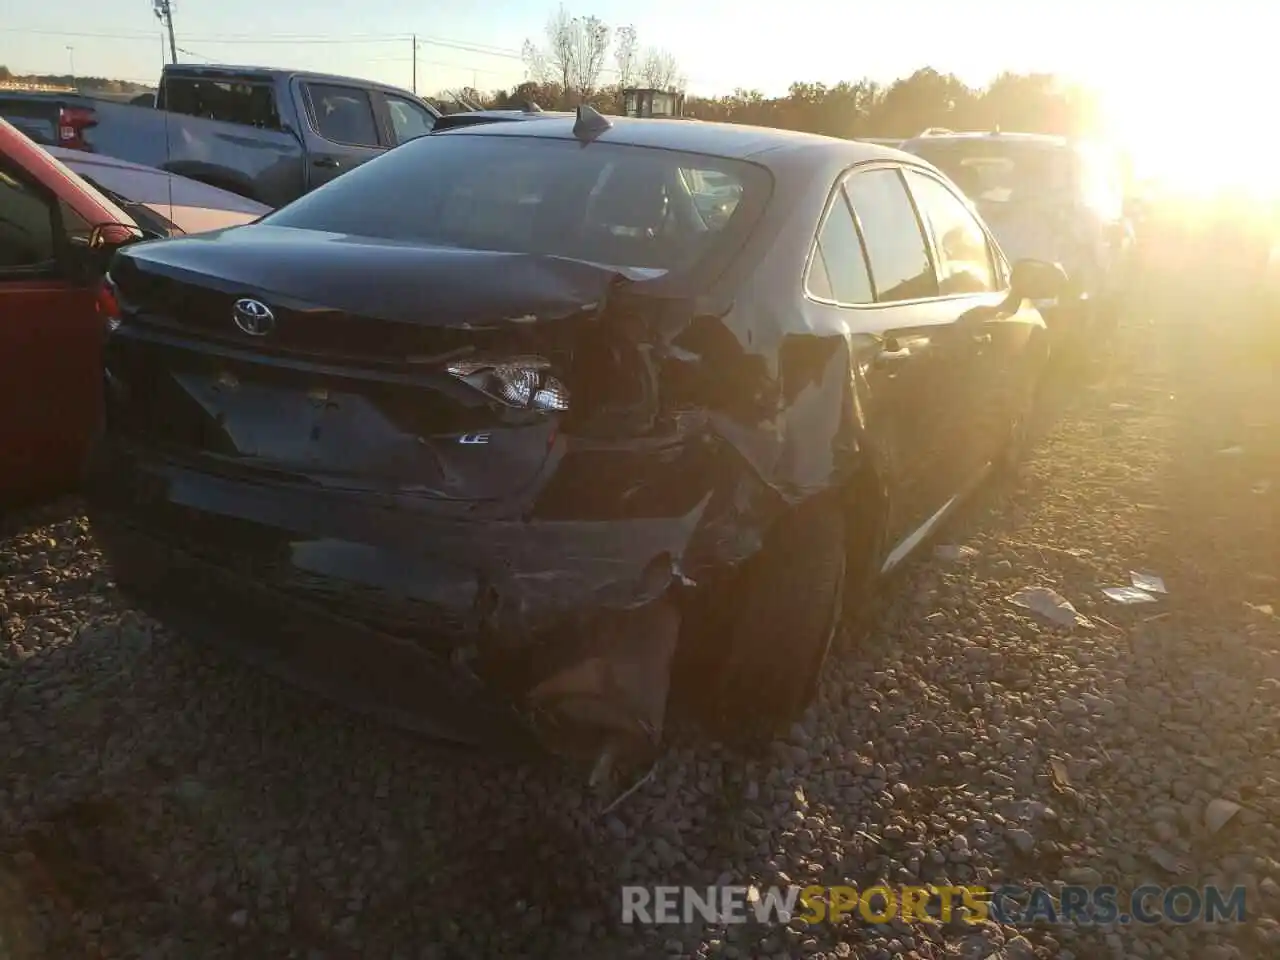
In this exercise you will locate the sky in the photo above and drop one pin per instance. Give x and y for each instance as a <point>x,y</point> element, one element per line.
<point>720,45</point>
<point>1163,67</point>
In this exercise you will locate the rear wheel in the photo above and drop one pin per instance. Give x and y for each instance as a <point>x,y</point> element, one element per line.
<point>788,608</point>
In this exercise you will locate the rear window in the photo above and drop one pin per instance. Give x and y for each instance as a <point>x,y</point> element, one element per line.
<point>624,206</point>
<point>1001,172</point>
<point>251,104</point>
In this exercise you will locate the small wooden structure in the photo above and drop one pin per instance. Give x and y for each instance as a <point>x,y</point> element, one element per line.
<point>649,102</point>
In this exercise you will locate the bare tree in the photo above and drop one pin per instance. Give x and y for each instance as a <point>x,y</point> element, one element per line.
<point>562,47</point>
<point>591,47</point>
<point>660,70</point>
<point>537,69</point>
<point>625,49</point>
<point>574,56</point>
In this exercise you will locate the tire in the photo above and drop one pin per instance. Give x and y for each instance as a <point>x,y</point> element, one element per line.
<point>789,606</point>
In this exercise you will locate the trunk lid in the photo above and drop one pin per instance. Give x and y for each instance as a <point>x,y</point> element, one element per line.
<point>345,381</point>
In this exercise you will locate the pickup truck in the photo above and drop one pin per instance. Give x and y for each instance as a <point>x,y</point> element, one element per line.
<point>269,135</point>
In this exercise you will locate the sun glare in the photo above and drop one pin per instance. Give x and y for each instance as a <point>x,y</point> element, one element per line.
<point>1187,144</point>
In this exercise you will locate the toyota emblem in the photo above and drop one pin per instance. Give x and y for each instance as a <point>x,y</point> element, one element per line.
<point>253,317</point>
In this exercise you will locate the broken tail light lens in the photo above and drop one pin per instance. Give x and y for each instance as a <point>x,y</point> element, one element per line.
<point>107,304</point>
<point>524,383</point>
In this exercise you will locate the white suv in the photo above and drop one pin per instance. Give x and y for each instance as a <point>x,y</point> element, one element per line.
<point>1047,198</point>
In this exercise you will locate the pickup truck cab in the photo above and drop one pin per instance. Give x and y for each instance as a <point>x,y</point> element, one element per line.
<point>269,135</point>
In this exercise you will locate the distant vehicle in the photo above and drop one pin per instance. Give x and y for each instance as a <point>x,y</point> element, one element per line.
<point>491,449</point>
<point>58,225</point>
<point>652,102</point>
<point>269,135</point>
<point>1049,198</point>
<point>470,118</point>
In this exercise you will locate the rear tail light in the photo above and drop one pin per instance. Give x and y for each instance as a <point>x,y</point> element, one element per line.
<point>524,383</point>
<point>72,123</point>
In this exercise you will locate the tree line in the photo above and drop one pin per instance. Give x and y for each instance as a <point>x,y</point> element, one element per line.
<point>88,84</point>
<point>581,59</point>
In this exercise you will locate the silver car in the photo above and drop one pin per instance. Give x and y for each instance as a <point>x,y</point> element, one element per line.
<point>1047,198</point>
<point>164,203</point>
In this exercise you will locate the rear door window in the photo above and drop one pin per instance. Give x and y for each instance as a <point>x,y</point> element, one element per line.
<point>897,251</point>
<point>232,101</point>
<point>409,119</point>
<point>964,257</point>
<point>342,114</point>
<point>838,267</point>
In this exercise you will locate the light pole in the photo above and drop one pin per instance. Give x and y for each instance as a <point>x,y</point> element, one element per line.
<point>71,56</point>
<point>164,13</point>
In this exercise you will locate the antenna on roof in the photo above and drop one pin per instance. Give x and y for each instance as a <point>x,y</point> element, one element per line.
<point>531,106</point>
<point>590,123</point>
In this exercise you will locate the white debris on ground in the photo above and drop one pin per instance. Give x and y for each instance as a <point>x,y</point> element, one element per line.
<point>158,800</point>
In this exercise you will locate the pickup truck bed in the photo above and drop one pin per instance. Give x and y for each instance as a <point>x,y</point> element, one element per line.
<point>269,135</point>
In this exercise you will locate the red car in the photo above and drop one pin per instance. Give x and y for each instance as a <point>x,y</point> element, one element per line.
<point>51,260</point>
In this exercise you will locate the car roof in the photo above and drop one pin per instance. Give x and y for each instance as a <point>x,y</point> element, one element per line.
<point>215,70</point>
<point>1035,139</point>
<point>153,186</point>
<point>731,140</point>
<point>81,158</point>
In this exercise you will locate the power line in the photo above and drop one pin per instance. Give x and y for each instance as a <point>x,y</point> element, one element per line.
<point>417,40</point>
<point>278,39</point>
<point>198,56</point>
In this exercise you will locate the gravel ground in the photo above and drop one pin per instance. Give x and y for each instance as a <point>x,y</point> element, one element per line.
<point>158,800</point>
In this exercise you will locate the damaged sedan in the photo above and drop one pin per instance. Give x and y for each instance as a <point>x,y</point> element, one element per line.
<point>512,431</point>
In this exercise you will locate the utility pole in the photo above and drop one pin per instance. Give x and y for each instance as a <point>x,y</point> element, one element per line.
<point>164,13</point>
<point>71,56</point>
<point>415,64</point>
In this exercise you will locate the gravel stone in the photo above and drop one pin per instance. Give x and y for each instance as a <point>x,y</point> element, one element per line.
<point>161,800</point>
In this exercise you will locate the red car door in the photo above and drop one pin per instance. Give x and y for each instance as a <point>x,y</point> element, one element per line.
<point>50,339</point>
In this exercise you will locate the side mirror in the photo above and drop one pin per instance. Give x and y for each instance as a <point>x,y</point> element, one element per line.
<point>90,256</point>
<point>1038,280</point>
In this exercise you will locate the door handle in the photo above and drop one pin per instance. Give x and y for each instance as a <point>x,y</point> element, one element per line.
<point>327,162</point>
<point>982,338</point>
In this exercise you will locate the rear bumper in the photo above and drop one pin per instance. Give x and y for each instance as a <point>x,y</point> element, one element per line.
<point>438,624</point>
<point>305,644</point>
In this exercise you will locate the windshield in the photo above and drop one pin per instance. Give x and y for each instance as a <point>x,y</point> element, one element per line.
<point>605,203</point>
<point>996,172</point>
